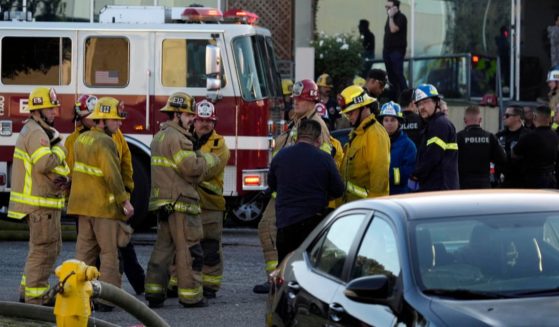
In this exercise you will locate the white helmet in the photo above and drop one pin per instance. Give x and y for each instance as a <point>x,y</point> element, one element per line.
<point>553,75</point>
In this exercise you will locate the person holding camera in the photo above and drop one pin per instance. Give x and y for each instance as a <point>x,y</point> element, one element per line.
<point>395,44</point>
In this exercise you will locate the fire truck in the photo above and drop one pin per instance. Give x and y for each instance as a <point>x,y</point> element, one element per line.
<point>141,55</point>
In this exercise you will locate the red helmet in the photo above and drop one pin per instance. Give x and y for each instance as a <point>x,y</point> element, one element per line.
<point>84,105</point>
<point>205,110</point>
<point>306,90</point>
<point>321,110</point>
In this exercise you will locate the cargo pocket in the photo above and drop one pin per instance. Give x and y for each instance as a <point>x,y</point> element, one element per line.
<point>194,231</point>
<point>43,229</point>
<point>124,234</point>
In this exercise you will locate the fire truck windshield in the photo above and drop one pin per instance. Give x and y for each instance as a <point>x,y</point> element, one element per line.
<point>255,64</point>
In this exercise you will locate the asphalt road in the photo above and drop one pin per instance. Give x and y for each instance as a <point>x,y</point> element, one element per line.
<point>235,304</point>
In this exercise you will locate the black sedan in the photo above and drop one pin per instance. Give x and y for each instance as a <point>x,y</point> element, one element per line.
<point>475,258</point>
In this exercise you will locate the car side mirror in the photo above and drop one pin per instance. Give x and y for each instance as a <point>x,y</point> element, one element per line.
<point>213,68</point>
<point>369,289</point>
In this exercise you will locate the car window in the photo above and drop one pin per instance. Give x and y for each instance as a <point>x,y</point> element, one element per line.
<point>329,254</point>
<point>377,254</point>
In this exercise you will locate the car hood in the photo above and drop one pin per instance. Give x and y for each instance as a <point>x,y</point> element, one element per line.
<point>541,311</point>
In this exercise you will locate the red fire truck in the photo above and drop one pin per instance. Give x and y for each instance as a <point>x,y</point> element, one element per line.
<point>141,55</point>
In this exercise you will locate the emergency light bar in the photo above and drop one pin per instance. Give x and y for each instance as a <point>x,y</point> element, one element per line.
<point>240,16</point>
<point>202,14</point>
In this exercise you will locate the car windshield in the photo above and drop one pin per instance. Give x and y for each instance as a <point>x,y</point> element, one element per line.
<point>513,254</point>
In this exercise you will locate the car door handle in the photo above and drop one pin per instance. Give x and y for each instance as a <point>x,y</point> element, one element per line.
<point>335,312</point>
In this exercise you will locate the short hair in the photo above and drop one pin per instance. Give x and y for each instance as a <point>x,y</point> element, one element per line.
<point>472,110</point>
<point>310,129</point>
<point>406,97</point>
<point>543,110</point>
<point>364,23</point>
<point>378,74</point>
<point>517,110</point>
<point>395,2</point>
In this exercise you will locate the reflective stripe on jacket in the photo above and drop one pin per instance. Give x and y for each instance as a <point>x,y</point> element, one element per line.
<point>290,137</point>
<point>97,187</point>
<point>211,188</point>
<point>176,169</point>
<point>34,169</point>
<point>366,163</point>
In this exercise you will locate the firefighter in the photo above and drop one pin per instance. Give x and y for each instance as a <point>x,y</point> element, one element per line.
<point>477,149</point>
<point>82,108</point>
<point>437,158</point>
<point>538,149</point>
<point>553,83</point>
<point>402,149</point>
<point>39,179</point>
<point>325,85</point>
<point>366,163</point>
<point>98,195</point>
<point>212,201</point>
<point>287,90</point>
<point>305,96</point>
<point>176,170</point>
<point>412,125</point>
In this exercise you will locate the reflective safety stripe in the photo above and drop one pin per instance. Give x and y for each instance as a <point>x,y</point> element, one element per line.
<point>23,280</point>
<point>445,146</point>
<point>16,215</point>
<point>183,154</point>
<point>37,201</point>
<point>173,281</point>
<point>212,280</point>
<point>35,291</point>
<point>274,195</point>
<point>183,207</point>
<point>211,187</point>
<point>190,293</point>
<point>210,160</point>
<point>162,162</point>
<point>153,288</point>
<point>87,169</point>
<point>62,170</point>
<point>27,180</point>
<point>356,190</point>
<point>271,265</point>
<point>554,126</point>
<point>396,176</point>
<point>59,153</point>
<point>326,147</point>
<point>39,153</point>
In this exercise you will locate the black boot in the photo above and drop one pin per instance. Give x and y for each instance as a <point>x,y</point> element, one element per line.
<point>263,288</point>
<point>209,293</point>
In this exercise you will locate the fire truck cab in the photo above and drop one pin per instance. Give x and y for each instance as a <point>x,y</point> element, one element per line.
<point>141,55</point>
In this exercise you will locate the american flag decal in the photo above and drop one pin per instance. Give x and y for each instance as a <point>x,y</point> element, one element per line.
<point>106,77</point>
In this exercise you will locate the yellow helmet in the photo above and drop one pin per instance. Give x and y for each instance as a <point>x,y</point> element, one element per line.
<point>359,81</point>
<point>106,108</point>
<point>287,86</point>
<point>42,98</point>
<point>179,102</point>
<point>354,97</point>
<point>324,80</point>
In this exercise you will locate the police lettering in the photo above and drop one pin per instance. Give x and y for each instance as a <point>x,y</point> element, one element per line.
<point>476,140</point>
<point>408,126</point>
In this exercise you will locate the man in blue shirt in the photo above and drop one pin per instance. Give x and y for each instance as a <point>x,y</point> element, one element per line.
<point>305,178</point>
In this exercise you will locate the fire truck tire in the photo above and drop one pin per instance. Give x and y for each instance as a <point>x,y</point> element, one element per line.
<point>140,196</point>
<point>247,211</point>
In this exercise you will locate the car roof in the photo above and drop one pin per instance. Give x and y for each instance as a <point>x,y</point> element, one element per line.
<point>426,205</point>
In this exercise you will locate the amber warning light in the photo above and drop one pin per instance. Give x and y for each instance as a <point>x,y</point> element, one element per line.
<point>252,180</point>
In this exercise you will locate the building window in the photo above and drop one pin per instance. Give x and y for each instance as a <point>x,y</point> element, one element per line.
<point>107,62</point>
<point>36,60</point>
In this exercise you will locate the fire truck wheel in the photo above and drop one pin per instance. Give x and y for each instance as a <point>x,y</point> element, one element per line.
<point>140,195</point>
<point>248,211</point>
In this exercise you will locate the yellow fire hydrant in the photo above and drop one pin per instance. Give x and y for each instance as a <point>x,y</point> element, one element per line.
<point>73,306</point>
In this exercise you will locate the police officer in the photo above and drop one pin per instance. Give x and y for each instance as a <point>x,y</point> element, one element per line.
<point>176,170</point>
<point>98,195</point>
<point>413,124</point>
<point>39,180</point>
<point>375,87</point>
<point>477,149</point>
<point>539,151</point>
<point>366,163</point>
<point>210,190</point>
<point>513,169</point>
<point>437,158</point>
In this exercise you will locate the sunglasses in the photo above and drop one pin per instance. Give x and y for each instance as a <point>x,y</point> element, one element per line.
<point>509,115</point>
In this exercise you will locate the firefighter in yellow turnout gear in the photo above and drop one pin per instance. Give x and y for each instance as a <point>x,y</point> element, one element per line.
<point>366,163</point>
<point>39,179</point>
<point>176,170</point>
<point>210,190</point>
<point>98,195</point>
